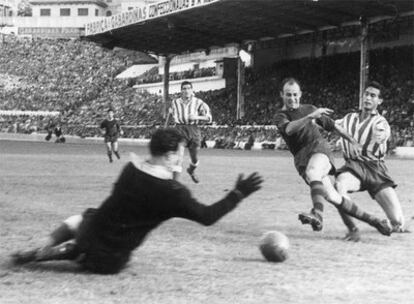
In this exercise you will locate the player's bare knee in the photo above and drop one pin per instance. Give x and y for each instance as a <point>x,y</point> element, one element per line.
<point>332,197</point>
<point>73,222</point>
<point>313,174</point>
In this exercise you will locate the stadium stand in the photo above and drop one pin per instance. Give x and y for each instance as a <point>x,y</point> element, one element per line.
<point>78,80</point>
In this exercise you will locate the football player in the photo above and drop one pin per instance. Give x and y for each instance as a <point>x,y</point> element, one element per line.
<point>145,195</point>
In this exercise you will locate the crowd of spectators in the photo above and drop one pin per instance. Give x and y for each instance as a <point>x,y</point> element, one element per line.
<point>77,78</point>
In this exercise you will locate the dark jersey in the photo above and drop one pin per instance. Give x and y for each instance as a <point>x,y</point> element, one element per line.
<point>58,131</point>
<point>306,136</point>
<point>111,127</point>
<point>139,203</point>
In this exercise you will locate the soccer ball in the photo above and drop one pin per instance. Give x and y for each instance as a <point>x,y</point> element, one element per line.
<point>274,246</point>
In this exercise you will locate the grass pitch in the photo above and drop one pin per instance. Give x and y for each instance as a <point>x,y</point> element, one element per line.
<point>183,262</point>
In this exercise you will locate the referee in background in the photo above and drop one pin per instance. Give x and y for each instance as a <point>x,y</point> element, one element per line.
<point>187,112</point>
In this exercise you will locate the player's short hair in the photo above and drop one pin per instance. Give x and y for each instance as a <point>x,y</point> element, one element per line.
<point>164,140</point>
<point>289,80</point>
<point>110,110</point>
<point>376,85</point>
<point>186,83</point>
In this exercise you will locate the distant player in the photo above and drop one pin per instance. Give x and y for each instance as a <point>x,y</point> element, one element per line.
<point>145,195</point>
<point>111,130</point>
<point>299,126</point>
<point>188,111</point>
<point>55,128</point>
<point>366,171</point>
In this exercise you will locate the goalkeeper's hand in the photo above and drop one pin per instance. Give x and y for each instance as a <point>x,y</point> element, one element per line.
<point>248,185</point>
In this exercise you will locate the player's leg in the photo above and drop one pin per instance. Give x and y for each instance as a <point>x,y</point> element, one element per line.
<point>59,246</point>
<point>193,151</point>
<point>345,205</point>
<point>108,145</point>
<point>193,147</point>
<point>388,200</point>
<point>317,168</point>
<point>66,231</point>
<point>177,168</point>
<point>345,183</point>
<point>115,149</point>
<point>65,251</point>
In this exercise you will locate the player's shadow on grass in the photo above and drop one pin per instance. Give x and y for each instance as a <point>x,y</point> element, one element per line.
<point>255,260</point>
<point>246,259</point>
<point>314,236</point>
<point>57,267</point>
<point>367,237</point>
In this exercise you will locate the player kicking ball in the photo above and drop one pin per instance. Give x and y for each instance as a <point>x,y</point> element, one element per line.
<point>299,126</point>
<point>145,195</point>
<point>366,171</point>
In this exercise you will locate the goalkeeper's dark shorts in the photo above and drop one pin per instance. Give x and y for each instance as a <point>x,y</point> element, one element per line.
<point>96,256</point>
<point>191,135</point>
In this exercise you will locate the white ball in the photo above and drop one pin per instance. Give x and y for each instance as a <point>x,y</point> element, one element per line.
<point>274,246</point>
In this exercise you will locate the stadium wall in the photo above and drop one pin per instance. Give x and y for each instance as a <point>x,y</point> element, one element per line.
<point>402,152</point>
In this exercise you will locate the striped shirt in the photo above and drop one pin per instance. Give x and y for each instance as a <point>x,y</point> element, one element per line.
<point>181,110</point>
<point>371,133</point>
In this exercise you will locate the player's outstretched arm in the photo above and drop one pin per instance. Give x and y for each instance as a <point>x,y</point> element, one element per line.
<point>297,125</point>
<point>246,186</point>
<point>191,209</point>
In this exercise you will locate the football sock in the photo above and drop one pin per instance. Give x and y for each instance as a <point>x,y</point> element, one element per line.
<point>318,197</point>
<point>349,223</point>
<point>352,209</point>
<point>192,167</point>
<point>110,156</point>
<point>117,154</point>
<point>176,175</point>
<point>61,234</point>
<point>65,251</point>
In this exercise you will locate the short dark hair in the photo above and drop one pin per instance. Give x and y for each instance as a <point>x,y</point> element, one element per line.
<point>110,110</point>
<point>376,85</point>
<point>186,83</point>
<point>164,140</point>
<point>289,80</point>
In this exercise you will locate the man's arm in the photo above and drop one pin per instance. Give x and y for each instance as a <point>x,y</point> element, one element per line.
<point>189,208</point>
<point>296,125</point>
<point>121,132</point>
<point>382,131</point>
<point>203,114</point>
<point>102,128</point>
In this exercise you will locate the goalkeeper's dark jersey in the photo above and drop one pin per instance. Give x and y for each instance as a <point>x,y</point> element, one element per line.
<point>139,202</point>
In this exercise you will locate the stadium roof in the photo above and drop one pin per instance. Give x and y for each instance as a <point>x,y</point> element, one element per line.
<point>178,26</point>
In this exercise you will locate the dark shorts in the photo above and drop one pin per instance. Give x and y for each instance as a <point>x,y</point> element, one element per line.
<point>96,256</point>
<point>373,175</point>
<point>191,135</point>
<point>303,156</point>
<point>111,139</point>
